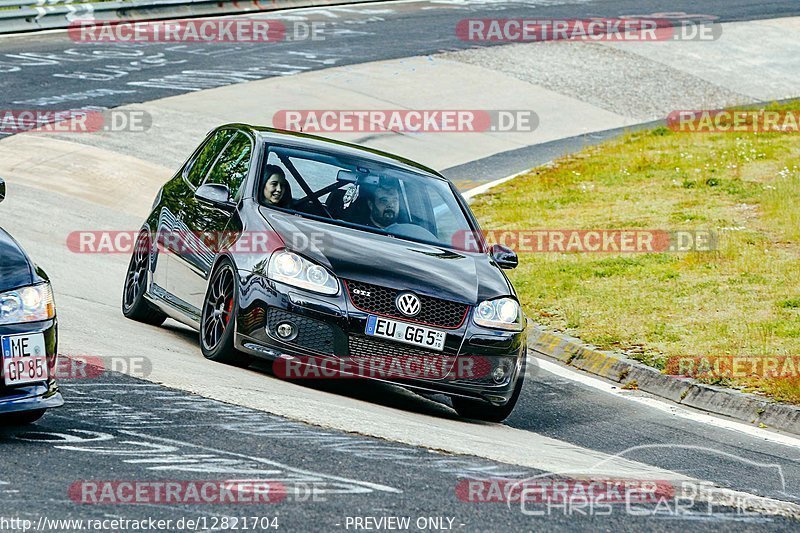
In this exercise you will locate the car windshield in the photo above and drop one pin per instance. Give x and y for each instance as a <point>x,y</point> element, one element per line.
<point>363,193</point>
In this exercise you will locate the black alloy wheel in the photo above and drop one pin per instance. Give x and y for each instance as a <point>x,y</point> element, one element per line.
<point>134,304</point>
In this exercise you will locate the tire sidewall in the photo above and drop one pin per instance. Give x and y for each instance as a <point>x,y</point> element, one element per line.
<point>226,344</point>
<point>138,301</point>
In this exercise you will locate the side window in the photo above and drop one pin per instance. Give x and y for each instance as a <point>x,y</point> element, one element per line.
<point>198,167</point>
<point>233,165</point>
<point>316,174</point>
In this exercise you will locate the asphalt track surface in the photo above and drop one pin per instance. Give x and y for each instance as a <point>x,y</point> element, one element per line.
<point>51,71</point>
<point>124,430</point>
<point>40,69</point>
<point>118,428</point>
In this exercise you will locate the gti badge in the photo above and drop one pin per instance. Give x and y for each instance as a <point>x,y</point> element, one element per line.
<point>408,303</point>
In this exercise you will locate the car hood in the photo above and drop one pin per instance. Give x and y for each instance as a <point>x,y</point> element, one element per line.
<point>359,255</point>
<point>15,266</point>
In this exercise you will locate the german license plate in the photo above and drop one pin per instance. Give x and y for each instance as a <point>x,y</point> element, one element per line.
<point>24,359</point>
<point>432,339</point>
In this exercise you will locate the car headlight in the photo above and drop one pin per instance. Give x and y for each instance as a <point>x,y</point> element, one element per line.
<point>28,304</point>
<point>290,268</point>
<point>503,313</point>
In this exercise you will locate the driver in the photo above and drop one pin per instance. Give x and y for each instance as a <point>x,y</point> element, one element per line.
<point>384,205</point>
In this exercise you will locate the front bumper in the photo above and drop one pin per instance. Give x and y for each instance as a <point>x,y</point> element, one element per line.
<point>332,328</point>
<point>39,395</point>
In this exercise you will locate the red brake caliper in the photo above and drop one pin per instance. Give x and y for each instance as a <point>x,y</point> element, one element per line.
<point>230,310</point>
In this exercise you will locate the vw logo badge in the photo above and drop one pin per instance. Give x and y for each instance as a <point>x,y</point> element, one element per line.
<point>408,303</point>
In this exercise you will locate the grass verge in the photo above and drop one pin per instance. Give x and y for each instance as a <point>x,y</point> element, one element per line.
<point>741,300</point>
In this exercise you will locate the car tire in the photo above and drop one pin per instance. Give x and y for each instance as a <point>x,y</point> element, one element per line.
<point>218,318</point>
<point>22,418</point>
<point>485,411</point>
<point>134,305</point>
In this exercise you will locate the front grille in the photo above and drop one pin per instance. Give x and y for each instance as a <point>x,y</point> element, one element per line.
<point>387,355</point>
<point>434,312</point>
<point>312,334</point>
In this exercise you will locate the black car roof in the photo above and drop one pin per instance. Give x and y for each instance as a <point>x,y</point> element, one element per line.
<point>305,140</point>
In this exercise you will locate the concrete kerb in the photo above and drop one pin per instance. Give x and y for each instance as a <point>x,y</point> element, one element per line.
<point>632,374</point>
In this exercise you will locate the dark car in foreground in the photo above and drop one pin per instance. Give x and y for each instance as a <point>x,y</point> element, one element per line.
<point>312,252</point>
<point>28,335</point>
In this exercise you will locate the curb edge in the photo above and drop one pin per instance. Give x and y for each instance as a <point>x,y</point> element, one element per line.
<point>745,407</point>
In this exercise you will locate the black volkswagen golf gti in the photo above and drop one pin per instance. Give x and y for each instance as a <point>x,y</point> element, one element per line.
<point>28,335</point>
<point>312,252</point>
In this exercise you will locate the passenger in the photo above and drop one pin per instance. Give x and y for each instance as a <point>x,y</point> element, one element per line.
<point>277,191</point>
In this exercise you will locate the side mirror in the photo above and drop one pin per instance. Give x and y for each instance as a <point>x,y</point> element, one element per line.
<point>2,190</point>
<point>504,257</point>
<point>215,194</point>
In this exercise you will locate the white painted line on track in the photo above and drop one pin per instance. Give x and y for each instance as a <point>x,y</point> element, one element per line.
<point>480,189</point>
<point>253,14</point>
<point>369,484</point>
<point>664,405</point>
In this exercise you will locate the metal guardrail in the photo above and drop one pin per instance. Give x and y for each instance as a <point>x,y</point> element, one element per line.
<point>33,15</point>
<point>31,3</point>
